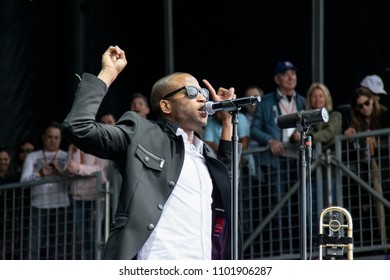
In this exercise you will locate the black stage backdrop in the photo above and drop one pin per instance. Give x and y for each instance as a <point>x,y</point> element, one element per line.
<point>44,43</point>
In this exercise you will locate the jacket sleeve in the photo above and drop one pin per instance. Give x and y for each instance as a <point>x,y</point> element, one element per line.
<point>80,127</point>
<point>260,121</point>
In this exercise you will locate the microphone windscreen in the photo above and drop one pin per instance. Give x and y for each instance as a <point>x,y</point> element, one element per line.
<point>208,108</point>
<point>287,121</point>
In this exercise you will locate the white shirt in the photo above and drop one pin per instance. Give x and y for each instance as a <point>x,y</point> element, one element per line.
<point>288,107</point>
<point>184,229</point>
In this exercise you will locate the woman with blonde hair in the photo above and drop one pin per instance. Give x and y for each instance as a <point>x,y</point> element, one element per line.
<point>318,96</point>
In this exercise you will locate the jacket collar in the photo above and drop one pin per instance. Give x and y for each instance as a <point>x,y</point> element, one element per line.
<point>279,96</point>
<point>168,126</point>
<point>171,126</point>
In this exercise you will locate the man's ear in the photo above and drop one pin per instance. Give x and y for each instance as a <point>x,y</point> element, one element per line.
<point>165,106</point>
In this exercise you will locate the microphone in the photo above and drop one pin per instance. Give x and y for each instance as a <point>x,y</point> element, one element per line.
<point>303,118</point>
<point>230,105</point>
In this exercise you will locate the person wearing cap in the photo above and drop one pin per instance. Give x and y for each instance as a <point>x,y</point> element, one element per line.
<point>366,112</point>
<point>374,85</point>
<point>279,161</point>
<point>284,100</point>
<point>370,153</point>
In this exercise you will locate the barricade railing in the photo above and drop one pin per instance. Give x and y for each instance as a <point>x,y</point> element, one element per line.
<point>72,232</point>
<point>348,176</point>
<point>353,176</point>
<point>268,205</point>
<point>363,180</point>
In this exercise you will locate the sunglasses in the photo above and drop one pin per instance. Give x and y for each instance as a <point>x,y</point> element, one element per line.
<point>365,103</point>
<point>192,92</point>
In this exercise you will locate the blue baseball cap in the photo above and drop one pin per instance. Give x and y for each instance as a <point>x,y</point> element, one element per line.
<point>283,66</point>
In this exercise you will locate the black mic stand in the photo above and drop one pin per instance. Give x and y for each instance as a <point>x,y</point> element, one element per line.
<point>304,143</point>
<point>234,189</point>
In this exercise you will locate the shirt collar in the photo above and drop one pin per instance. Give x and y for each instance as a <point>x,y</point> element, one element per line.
<point>198,143</point>
<point>280,96</point>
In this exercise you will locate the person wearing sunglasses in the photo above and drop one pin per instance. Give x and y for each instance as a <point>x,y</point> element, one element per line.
<point>175,195</point>
<point>368,155</point>
<point>366,113</point>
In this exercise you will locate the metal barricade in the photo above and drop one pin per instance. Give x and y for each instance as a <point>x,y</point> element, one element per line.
<point>350,176</point>
<point>72,232</point>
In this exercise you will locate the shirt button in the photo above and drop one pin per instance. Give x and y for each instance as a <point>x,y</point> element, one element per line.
<point>151,227</point>
<point>171,184</point>
<point>160,206</point>
<point>147,159</point>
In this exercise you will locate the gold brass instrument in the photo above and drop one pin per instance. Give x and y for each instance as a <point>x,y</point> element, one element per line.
<point>335,232</point>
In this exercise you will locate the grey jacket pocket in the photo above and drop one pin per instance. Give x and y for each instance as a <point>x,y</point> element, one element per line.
<point>149,159</point>
<point>119,221</point>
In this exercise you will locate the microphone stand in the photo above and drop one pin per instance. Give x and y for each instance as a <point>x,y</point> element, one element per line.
<point>234,189</point>
<point>304,143</point>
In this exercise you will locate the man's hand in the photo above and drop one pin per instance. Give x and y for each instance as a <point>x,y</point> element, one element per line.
<point>276,147</point>
<point>349,131</point>
<point>113,62</point>
<point>222,94</point>
<point>48,169</point>
<point>72,167</point>
<point>225,117</point>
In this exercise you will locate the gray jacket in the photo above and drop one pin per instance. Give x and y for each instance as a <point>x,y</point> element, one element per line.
<point>149,157</point>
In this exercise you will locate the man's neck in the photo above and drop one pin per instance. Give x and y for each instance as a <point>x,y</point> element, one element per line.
<point>50,150</point>
<point>190,134</point>
<point>286,92</point>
